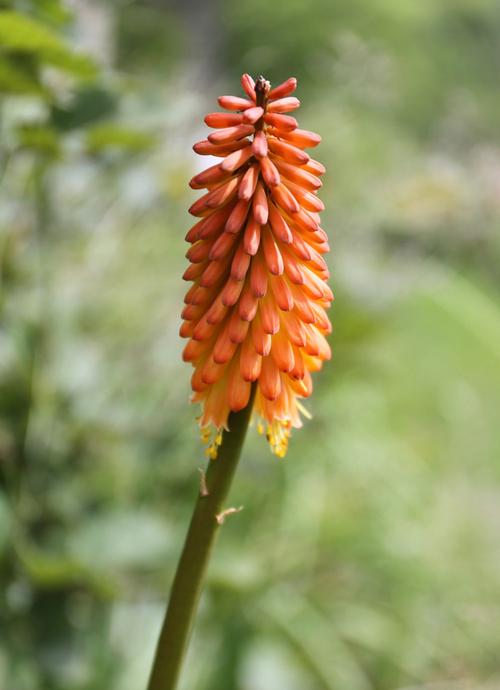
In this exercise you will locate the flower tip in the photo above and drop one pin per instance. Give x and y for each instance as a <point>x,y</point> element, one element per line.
<point>248,86</point>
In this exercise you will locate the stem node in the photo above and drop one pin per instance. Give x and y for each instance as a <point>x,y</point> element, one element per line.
<point>229,511</point>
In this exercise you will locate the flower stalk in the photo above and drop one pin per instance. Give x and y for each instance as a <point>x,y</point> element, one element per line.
<point>208,516</point>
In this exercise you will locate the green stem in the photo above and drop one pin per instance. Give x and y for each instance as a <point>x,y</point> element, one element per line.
<point>188,580</point>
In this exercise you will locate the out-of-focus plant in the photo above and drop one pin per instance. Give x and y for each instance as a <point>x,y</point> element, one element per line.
<point>56,105</point>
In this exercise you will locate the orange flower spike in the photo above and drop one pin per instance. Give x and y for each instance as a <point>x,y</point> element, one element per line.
<point>255,314</point>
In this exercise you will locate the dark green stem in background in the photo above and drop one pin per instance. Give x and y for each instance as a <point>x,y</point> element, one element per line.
<point>188,582</point>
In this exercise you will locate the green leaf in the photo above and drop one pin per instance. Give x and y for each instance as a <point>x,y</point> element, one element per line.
<point>5,523</point>
<point>18,77</point>
<point>39,138</point>
<point>469,306</point>
<point>120,539</point>
<point>329,660</point>
<point>88,105</point>
<point>105,137</point>
<point>53,10</point>
<point>21,34</point>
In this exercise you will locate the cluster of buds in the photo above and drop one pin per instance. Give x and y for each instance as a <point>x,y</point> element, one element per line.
<point>255,314</point>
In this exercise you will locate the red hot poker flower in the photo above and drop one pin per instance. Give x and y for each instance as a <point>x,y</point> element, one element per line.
<point>255,314</point>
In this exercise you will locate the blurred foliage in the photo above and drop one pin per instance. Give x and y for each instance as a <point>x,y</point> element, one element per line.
<point>368,559</point>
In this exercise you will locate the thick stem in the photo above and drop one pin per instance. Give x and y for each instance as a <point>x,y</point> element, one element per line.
<point>188,581</point>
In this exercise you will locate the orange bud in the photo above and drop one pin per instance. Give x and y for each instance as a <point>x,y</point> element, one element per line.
<point>283,123</point>
<point>261,340</point>
<point>298,370</point>
<point>248,304</point>
<point>249,182</point>
<point>281,292</point>
<point>270,380</point>
<point>269,172</point>
<point>241,262</point>
<point>272,254</point>
<point>248,85</point>
<point>229,134</point>
<point>206,148</point>
<point>222,194</point>
<point>283,105</point>
<point>237,328</point>
<point>238,215</point>
<point>199,251</point>
<point>193,271</point>
<point>217,311</point>
<point>250,361</point>
<point>258,276</point>
<point>223,119</point>
<point>298,175</point>
<point>288,152</point>
<point>259,206</point>
<point>259,146</point>
<point>253,114</point>
<point>302,138</point>
<point>212,372</point>
<point>298,245</point>
<point>231,292</point>
<point>224,348</point>
<point>197,383</point>
<point>251,238</point>
<point>238,390</point>
<point>306,199</point>
<point>192,351</point>
<point>293,268</point>
<point>285,199</point>
<point>222,246</point>
<point>213,273</point>
<point>236,159</point>
<point>211,175</point>
<point>203,330</point>
<point>279,225</point>
<point>284,89</point>
<point>314,167</point>
<point>282,352</point>
<point>269,315</point>
<point>294,328</point>
<point>304,221</point>
<point>234,103</point>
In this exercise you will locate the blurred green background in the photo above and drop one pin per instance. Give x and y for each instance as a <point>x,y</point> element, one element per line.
<point>367,559</point>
